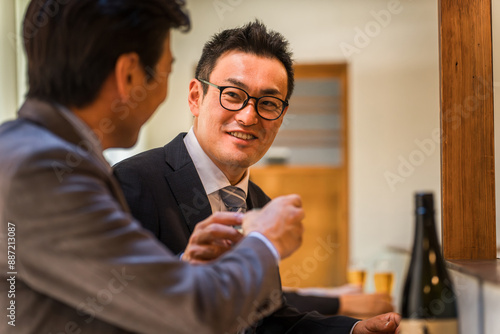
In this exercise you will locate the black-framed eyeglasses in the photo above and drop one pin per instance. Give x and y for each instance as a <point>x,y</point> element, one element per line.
<point>234,99</point>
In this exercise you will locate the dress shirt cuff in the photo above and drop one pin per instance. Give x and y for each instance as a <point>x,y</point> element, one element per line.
<point>268,244</point>
<point>352,329</point>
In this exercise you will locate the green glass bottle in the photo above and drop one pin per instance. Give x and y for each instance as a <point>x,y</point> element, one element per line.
<point>429,303</point>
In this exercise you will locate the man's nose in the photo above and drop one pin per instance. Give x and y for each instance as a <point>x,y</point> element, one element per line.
<point>248,115</point>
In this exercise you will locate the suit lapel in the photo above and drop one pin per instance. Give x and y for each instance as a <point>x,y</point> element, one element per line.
<point>185,183</point>
<point>256,198</point>
<point>252,199</point>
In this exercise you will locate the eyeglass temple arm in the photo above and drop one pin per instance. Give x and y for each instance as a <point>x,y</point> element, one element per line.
<point>208,83</point>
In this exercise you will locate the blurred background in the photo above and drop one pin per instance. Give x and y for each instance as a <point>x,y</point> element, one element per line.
<point>382,122</point>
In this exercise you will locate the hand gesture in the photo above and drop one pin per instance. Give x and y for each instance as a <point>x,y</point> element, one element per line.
<point>365,303</point>
<point>213,237</point>
<point>384,323</point>
<point>280,221</point>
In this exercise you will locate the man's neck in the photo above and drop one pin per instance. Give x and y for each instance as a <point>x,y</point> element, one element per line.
<point>233,173</point>
<point>234,177</point>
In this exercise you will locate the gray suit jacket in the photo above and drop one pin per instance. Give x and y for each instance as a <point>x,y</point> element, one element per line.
<point>84,265</point>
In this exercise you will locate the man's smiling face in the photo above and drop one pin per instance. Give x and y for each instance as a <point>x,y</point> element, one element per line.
<point>235,140</point>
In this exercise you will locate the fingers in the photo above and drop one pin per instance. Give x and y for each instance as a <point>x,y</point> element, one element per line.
<point>205,253</point>
<point>214,233</point>
<point>286,201</point>
<point>396,317</point>
<point>295,200</point>
<point>217,227</point>
<point>213,237</point>
<point>223,218</point>
<point>280,221</point>
<point>387,323</point>
<point>384,323</point>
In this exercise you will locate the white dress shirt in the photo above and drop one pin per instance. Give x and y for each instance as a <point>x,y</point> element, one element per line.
<point>213,179</point>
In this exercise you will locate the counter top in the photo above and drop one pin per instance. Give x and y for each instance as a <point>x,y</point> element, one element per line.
<point>486,270</point>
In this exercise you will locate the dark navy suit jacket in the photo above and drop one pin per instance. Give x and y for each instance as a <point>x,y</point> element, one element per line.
<point>165,194</point>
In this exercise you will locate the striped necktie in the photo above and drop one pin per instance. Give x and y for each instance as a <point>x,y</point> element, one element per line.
<point>234,198</point>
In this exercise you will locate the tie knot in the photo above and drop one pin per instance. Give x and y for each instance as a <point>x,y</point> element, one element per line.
<point>233,198</point>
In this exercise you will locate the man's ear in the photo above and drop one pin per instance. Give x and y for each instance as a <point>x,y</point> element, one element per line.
<point>195,96</point>
<point>128,73</point>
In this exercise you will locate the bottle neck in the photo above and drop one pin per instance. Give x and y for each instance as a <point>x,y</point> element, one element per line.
<point>425,240</point>
<point>425,230</point>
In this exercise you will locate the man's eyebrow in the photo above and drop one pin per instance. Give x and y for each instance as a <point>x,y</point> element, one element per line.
<point>267,91</point>
<point>237,83</point>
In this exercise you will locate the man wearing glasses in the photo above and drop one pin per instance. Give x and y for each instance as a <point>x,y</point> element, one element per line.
<point>238,99</point>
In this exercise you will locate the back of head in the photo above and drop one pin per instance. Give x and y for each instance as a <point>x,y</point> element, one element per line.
<point>252,38</point>
<point>72,45</point>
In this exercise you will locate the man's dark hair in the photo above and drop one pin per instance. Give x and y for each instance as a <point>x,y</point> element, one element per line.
<point>252,38</point>
<point>72,45</point>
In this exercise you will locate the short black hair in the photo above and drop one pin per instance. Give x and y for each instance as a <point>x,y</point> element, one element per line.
<point>72,45</point>
<point>252,38</point>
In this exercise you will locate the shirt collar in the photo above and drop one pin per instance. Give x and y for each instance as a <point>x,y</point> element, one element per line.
<point>212,178</point>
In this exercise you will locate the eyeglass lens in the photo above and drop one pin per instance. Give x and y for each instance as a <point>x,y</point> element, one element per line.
<point>234,98</point>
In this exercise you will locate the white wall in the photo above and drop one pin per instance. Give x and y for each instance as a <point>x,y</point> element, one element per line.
<point>393,102</point>
<point>13,84</point>
<point>8,52</point>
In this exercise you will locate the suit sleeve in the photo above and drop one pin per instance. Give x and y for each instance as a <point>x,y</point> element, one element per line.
<point>305,303</point>
<point>77,244</point>
<point>290,321</point>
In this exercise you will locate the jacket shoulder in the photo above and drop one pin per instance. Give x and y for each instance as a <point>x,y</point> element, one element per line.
<point>142,160</point>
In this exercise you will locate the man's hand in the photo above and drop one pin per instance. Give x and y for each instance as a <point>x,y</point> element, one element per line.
<point>385,323</point>
<point>280,221</point>
<point>213,237</point>
<point>365,303</point>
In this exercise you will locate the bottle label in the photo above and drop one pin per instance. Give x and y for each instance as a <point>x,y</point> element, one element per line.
<point>428,326</point>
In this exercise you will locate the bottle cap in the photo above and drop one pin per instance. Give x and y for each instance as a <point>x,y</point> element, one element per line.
<point>424,203</point>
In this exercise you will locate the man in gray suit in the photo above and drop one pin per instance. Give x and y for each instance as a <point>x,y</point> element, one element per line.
<point>73,259</point>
